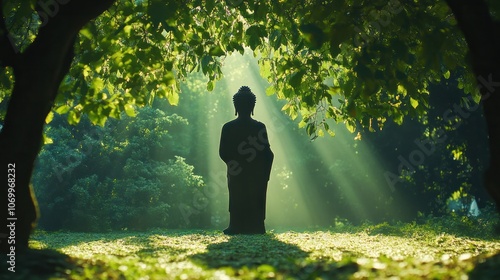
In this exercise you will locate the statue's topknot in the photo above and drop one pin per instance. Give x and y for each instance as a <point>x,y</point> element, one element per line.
<point>244,100</point>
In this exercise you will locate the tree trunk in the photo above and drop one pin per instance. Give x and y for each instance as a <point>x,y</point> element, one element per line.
<point>483,38</point>
<point>38,73</point>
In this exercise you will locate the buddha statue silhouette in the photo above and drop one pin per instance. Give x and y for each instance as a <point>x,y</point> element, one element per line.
<point>244,147</point>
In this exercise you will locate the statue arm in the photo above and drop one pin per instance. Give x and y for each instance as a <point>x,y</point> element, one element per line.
<point>268,154</point>
<point>223,145</point>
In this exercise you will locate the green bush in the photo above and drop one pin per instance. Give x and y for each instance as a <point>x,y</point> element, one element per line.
<point>129,174</point>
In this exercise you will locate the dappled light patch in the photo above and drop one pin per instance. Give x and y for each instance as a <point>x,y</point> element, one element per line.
<point>407,251</point>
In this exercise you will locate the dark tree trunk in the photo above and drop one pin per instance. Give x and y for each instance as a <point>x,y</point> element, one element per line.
<point>483,38</point>
<point>38,73</point>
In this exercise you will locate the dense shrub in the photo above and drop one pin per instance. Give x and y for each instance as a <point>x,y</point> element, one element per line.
<point>129,174</point>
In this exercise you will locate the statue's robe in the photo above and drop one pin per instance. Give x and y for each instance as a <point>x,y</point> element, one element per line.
<point>244,147</point>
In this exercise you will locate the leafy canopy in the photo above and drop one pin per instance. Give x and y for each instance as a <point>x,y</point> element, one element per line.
<point>353,61</point>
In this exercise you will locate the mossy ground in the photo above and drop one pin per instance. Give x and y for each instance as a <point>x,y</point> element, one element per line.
<point>382,251</point>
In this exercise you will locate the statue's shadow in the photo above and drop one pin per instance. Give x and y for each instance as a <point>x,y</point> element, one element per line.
<point>250,251</point>
<point>486,268</point>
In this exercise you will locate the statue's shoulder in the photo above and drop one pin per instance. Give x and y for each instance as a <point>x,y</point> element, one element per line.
<point>259,124</point>
<point>229,124</point>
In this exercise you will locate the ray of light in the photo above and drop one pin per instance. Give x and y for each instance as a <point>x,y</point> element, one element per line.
<point>217,181</point>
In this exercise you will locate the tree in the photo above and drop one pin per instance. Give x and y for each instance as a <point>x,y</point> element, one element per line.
<point>38,71</point>
<point>354,61</point>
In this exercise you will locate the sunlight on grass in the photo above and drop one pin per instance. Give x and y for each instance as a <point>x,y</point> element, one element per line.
<point>408,251</point>
<point>338,172</point>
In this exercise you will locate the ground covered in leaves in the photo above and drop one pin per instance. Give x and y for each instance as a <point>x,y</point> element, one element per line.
<point>434,250</point>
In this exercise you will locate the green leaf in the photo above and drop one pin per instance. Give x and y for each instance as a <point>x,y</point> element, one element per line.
<point>292,112</point>
<point>334,90</point>
<point>447,74</point>
<point>97,85</point>
<point>350,127</point>
<point>74,117</point>
<point>275,39</point>
<point>296,79</point>
<point>47,140</point>
<point>168,79</point>
<point>160,11</point>
<point>62,109</point>
<point>87,33</point>
<point>209,5</point>
<point>237,46</point>
<point>127,29</point>
<point>260,11</point>
<point>314,36</point>
<point>398,118</point>
<point>310,129</point>
<point>102,120</point>
<point>169,65</point>
<point>173,97</point>
<point>49,118</point>
<point>205,61</point>
<point>238,30</point>
<point>254,34</point>
<point>210,85</point>
<point>413,102</point>
<point>270,91</point>
<point>130,110</point>
<point>93,117</point>
<point>216,51</point>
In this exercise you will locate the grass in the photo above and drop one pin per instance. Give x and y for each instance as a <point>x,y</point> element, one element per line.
<point>381,251</point>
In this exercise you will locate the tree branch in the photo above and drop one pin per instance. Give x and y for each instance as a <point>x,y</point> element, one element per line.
<point>61,24</point>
